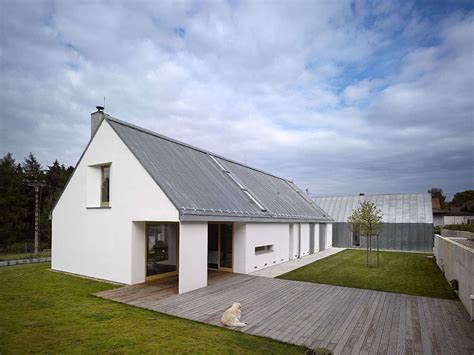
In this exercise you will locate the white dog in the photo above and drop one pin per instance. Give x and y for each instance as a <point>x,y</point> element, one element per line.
<point>231,317</point>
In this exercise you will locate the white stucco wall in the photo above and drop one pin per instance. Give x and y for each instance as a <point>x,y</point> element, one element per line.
<point>192,256</point>
<point>294,241</point>
<point>328,235</point>
<point>251,235</point>
<point>104,243</point>
<point>316,237</point>
<point>240,248</point>
<point>438,220</point>
<point>138,243</point>
<point>455,220</point>
<point>304,230</point>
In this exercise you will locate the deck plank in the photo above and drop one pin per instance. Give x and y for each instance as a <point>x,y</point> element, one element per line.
<point>345,320</point>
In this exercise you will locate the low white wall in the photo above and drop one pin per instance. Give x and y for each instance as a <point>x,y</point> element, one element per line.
<point>457,263</point>
<point>438,220</point>
<point>192,256</point>
<point>456,219</point>
<point>260,234</point>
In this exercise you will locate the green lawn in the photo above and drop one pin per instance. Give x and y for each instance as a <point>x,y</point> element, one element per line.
<point>409,273</point>
<point>4,257</point>
<point>45,311</point>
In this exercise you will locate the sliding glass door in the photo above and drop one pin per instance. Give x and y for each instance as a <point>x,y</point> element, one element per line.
<point>162,250</point>
<point>225,244</point>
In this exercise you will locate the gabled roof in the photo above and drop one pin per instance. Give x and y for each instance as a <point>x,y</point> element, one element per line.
<point>396,208</point>
<point>206,186</point>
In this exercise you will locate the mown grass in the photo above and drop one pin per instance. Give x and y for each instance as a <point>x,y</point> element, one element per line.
<point>408,273</point>
<point>21,256</point>
<point>45,311</point>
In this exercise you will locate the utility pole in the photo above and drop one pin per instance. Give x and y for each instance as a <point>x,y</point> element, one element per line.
<point>37,185</point>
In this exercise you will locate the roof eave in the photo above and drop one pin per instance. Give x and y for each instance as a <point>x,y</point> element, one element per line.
<point>269,219</point>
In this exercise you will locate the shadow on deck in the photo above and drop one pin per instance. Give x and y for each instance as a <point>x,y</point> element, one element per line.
<point>147,293</point>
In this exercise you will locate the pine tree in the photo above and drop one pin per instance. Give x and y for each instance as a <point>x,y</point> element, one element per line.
<point>13,210</point>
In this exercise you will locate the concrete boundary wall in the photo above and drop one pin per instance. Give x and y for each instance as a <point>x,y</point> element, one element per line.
<point>457,263</point>
<point>24,261</point>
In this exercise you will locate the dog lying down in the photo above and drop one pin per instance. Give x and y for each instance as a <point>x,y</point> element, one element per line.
<point>231,317</point>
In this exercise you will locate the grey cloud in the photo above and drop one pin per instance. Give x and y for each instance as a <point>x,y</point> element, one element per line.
<point>253,81</point>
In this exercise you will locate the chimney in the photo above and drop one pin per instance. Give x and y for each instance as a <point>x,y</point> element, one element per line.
<point>96,119</point>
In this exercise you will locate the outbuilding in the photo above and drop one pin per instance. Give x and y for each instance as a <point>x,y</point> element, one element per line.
<point>407,220</point>
<point>141,206</point>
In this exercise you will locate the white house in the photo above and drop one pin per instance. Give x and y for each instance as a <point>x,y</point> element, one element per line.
<point>141,206</point>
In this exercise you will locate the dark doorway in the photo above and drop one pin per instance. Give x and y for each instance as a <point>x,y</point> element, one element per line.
<point>220,246</point>
<point>355,239</point>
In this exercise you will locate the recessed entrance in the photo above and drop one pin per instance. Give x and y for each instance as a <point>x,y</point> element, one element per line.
<point>161,250</point>
<point>220,246</point>
<point>355,239</point>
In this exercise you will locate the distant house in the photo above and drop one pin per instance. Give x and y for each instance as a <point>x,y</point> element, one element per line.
<point>438,212</point>
<point>443,217</point>
<point>142,206</point>
<point>407,220</point>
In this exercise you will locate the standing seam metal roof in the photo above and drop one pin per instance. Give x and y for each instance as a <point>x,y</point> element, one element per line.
<point>396,208</point>
<point>197,186</point>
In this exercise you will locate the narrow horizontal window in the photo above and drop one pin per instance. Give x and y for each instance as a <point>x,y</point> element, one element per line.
<point>263,249</point>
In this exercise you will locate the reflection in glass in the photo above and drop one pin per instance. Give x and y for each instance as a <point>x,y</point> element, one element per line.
<point>161,249</point>
<point>226,246</point>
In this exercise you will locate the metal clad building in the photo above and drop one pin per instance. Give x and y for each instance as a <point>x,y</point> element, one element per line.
<point>407,220</point>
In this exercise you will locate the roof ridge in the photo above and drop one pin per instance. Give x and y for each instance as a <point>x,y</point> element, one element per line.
<point>172,140</point>
<point>366,195</point>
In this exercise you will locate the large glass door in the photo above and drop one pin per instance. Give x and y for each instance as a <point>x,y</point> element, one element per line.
<point>162,250</point>
<point>220,246</point>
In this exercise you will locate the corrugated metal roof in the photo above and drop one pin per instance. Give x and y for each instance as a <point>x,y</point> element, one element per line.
<point>198,186</point>
<point>396,208</point>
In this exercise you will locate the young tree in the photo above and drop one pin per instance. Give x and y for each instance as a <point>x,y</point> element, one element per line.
<point>367,221</point>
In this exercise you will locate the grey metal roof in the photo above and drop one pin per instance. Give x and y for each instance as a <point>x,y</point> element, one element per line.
<point>396,208</point>
<point>200,183</point>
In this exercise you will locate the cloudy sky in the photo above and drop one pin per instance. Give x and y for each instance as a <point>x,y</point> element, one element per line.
<point>342,97</point>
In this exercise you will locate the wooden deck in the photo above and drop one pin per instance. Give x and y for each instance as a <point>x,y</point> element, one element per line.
<point>345,320</point>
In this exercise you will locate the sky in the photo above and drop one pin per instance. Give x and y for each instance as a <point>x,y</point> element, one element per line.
<point>341,97</point>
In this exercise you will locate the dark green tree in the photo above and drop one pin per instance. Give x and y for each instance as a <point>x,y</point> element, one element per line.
<point>464,200</point>
<point>13,210</point>
<point>17,201</point>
